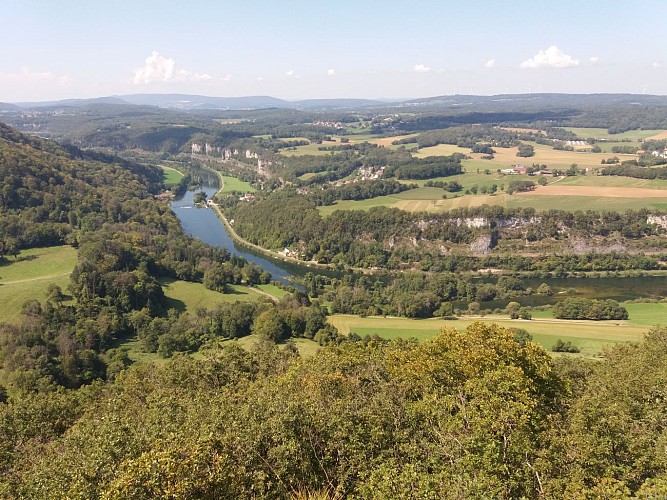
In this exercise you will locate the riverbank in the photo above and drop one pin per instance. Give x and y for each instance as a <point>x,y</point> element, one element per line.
<point>239,240</point>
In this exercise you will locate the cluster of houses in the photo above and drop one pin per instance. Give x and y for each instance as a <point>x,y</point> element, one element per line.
<point>369,173</point>
<point>523,170</point>
<point>660,154</point>
<point>336,125</point>
<point>166,196</point>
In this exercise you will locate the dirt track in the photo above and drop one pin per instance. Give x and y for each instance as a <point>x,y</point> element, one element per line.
<point>595,191</point>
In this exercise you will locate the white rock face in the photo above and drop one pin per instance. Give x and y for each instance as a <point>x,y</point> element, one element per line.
<point>658,220</point>
<point>473,222</point>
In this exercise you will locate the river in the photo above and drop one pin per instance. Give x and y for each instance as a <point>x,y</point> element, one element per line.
<point>204,224</point>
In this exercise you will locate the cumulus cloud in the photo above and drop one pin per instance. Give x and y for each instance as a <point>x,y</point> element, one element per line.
<point>490,63</point>
<point>421,68</point>
<point>552,57</point>
<point>594,60</point>
<point>331,72</point>
<point>289,73</point>
<point>158,68</point>
<point>260,78</point>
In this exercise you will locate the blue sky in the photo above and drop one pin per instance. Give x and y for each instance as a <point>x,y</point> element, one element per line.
<point>54,49</point>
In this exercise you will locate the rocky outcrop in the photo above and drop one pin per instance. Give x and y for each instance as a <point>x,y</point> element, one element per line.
<point>481,245</point>
<point>658,220</point>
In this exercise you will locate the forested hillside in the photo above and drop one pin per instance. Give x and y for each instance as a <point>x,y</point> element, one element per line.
<point>467,415</point>
<point>126,242</point>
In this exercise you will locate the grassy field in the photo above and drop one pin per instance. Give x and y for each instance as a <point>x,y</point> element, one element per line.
<point>602,133</point>
<point>171,176</point>
<point>310,149</point>
<point>619,197</point>
<point>306,347</point>
<point>273,290</point>
<point>28,276</point>
<point>187,296</point>
<point>589,336</point>
<point>234,184</point>
<point>506,157</point>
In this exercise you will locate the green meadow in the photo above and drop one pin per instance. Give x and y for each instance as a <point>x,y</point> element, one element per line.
<point>28,276</point>
<point>187,296</point>
<point>603,134</point>
<point>171,176</point>
<point>234,184</point>
<point>589,336</point>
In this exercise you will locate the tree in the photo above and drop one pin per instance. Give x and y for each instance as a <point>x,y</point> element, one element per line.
<point>269,324</point>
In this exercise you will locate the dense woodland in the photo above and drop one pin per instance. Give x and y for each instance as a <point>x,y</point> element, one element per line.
<point>394,239</point>
<point>467,415</point>
<point>484,413</point>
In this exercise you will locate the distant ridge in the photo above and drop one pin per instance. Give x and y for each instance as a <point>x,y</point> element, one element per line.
<point>199,102</point>
<point>192,102</point>
<point>5,106</point>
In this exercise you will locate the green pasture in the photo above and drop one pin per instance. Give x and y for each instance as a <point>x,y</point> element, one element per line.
<point>506,157</point>
<point>607,147</point>
<point>272,289</point>
<point>234,184</point>
<point>307,175</point>
<point>306,347</point>
<point>170,176</point>
<point>310,149</point>
<point>28,276</point>
<point>186,296</point>
<point>612,181</point>
<point>589,336</point>
<point>602,133</point>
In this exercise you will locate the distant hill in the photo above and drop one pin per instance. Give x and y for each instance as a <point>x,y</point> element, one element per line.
<point>536,100</point>
<point>187,101</point>
<point>501,102</point>
<point>5,106</point>
<point>70,102</point>
<point>193,102</point>
<point>314,104</point>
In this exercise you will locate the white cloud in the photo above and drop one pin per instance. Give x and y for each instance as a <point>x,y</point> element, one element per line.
<point>594,60</point>
<point>552,57</point>
<point>260,78</point>
<point>656,65</point>
<point>156,69</point>
<point>490,63</point>
<point>27,76</point>
<point>331,72</point>
<point>421,68</point>
<point>289,73</point>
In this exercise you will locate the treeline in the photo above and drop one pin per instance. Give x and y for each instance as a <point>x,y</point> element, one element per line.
<point>468,136</point>
<point>427,168</point>
<point>361,190</point>
<point>635,171</point>
<point>395,239</point>
<point>293,317</point>
<point>580,308</point>
<point>474,414</point>
<point>412,294</point>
